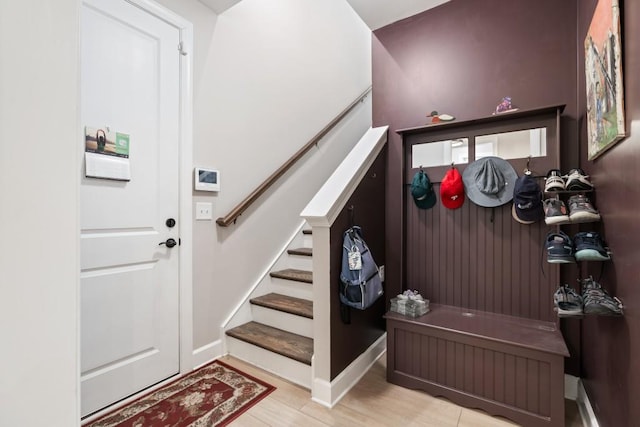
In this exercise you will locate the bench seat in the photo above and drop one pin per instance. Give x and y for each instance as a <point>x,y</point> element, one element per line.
<point>508,366</point>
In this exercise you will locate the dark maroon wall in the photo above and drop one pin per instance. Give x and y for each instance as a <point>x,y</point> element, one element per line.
<point>461,58</point>
<point>348,341</point>
<point>611,347</point>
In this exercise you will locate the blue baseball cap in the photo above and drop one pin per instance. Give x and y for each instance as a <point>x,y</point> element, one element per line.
<point>527,200</point>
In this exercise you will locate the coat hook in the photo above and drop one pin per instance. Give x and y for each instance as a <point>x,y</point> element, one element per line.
<point>527,171</point>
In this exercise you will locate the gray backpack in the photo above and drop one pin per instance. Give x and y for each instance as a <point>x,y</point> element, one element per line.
<point>360,281</point>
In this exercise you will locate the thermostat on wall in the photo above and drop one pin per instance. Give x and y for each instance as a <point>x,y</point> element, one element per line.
<point>206,179</point>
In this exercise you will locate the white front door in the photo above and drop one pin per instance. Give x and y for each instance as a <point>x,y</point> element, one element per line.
<point>130,82</point>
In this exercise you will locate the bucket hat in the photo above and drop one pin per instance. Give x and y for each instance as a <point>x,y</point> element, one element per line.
<point>489,181</point>
<point>422,191</point>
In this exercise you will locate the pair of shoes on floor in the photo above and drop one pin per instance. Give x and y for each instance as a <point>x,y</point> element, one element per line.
<point>575,180</point>
<point>585,246</point>
<point>580,210</point>
<point>594,301</point>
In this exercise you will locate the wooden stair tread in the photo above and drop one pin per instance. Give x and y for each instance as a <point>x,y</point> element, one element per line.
<point>301,251</point>
<point>293,274</point>
<point>287,304</point>
<point>285,343</point>
<point>306,231</point>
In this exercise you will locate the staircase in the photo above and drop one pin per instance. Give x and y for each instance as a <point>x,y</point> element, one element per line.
<point>279,336</point>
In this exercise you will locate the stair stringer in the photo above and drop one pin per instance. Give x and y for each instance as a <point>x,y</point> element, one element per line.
<point>265,284</point>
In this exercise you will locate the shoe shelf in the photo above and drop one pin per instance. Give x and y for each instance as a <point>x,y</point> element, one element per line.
<point>574,221</point>
<point>569,192</point>
<point>582,315</point>
<point>585,246</point>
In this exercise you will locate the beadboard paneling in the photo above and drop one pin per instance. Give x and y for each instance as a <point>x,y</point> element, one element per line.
<point>479,258</point>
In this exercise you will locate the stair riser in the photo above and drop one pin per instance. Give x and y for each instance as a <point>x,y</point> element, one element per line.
<point>300,262</point>
<point>289,369</point>
<point>307,240</point>
<point>281,320</point>
<point>291,288</point>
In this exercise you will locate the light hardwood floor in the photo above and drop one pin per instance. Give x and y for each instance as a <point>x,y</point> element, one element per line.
<point>373,402</point>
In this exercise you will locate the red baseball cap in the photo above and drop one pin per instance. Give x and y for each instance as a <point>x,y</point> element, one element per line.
<point>452,189</point>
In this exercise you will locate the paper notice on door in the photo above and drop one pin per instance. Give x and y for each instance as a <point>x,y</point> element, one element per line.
<point>106,154</point>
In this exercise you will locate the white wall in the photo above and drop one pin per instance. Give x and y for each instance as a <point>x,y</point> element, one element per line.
<point>267,77</point>
<point>38,213</point>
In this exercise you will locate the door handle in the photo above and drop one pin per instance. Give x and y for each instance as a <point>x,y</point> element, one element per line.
<point>169,242</point>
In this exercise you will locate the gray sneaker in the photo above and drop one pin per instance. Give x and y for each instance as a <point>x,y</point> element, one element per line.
<point>581,209</point>
<point>555,212</point>
<point>567,301</point>
<point>597,301</point>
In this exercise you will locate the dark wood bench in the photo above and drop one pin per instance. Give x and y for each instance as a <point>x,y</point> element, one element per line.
<point>505,365</point>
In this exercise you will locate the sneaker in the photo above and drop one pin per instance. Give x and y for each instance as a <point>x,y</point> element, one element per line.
<point>554,181</point>
<point>555,212</point>
<point>598,301</point>
<point>590,247</point>
<point>559,248</point>
<point>581,209</point>
<point>567,301</point>
<point>577,180</point>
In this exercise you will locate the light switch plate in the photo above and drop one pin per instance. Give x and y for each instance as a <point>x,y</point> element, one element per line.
<point>204,211</point>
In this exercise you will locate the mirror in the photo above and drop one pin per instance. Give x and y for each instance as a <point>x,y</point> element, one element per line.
<point>513,145</point>
<point>440,153</point>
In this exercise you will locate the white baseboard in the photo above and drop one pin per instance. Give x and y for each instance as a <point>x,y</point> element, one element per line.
<point>571,387</point>
<point>207,353</point>
<point>329,393</point>
<point>584,406</point>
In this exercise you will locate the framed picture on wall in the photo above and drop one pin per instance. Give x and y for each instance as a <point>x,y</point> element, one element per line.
<point>603,69</point>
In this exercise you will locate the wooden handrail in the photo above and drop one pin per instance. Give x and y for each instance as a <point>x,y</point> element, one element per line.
<point>232,216</point>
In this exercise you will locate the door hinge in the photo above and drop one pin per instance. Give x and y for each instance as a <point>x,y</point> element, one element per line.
<point>179,241</point>
<point>181,49</point>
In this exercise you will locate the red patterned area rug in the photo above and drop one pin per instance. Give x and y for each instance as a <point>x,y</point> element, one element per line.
<point>213,395</point>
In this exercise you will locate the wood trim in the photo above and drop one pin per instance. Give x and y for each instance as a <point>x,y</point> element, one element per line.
<point>484,120</point>
<point>232,216</point>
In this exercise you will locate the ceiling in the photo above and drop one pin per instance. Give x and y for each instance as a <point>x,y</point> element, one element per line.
<point>375,13</point>
<point>378,13</point>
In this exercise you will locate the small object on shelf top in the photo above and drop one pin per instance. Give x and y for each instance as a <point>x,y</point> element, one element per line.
<point>437,118</point>
<point>505,106</point>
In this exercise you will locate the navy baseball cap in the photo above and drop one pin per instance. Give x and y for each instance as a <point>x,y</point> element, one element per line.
<point>527,200</point>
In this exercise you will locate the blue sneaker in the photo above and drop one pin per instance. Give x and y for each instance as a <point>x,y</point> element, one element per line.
<point>590,247</point>
<point>559,248</point>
